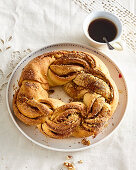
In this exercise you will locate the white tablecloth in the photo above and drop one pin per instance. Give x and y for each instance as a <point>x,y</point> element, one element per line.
<point>36,23</point>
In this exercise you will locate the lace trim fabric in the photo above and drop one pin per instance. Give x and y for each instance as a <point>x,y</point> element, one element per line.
<point>10,58</point>
<point>127,18</point>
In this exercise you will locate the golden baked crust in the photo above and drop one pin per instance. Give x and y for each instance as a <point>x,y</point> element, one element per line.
<point>84,77</point>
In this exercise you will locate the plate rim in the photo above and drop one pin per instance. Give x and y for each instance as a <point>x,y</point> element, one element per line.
<point>52,148</point>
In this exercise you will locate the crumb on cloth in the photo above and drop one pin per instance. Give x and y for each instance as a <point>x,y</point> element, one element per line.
<point>69,157</point>
<point>80,161</point>
<point>69,166</point>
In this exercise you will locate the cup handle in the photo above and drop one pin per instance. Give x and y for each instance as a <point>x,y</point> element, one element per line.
<point>118,46</point>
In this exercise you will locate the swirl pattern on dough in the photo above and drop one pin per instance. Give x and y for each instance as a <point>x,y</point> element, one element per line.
<point>84,77</point>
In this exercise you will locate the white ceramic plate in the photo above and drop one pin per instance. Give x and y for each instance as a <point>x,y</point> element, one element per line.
<point>70,144</point>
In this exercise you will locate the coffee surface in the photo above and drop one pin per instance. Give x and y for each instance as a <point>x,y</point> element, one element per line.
<point>100,28</point>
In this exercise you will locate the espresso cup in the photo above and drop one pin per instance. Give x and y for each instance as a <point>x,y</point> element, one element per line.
<point>116,43</point>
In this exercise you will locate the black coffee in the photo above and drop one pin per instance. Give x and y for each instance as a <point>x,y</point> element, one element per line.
<point>100,28</point>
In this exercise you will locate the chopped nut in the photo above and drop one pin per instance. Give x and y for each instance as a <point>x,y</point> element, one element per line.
<point>69,157</point>
<point>85,142</point>
<point>80,162</point>
<point>69,165</point>
<point>58,55</point>
<point>93,135</point>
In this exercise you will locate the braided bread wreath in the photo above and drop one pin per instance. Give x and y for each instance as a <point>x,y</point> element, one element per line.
<point>84,77</point>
